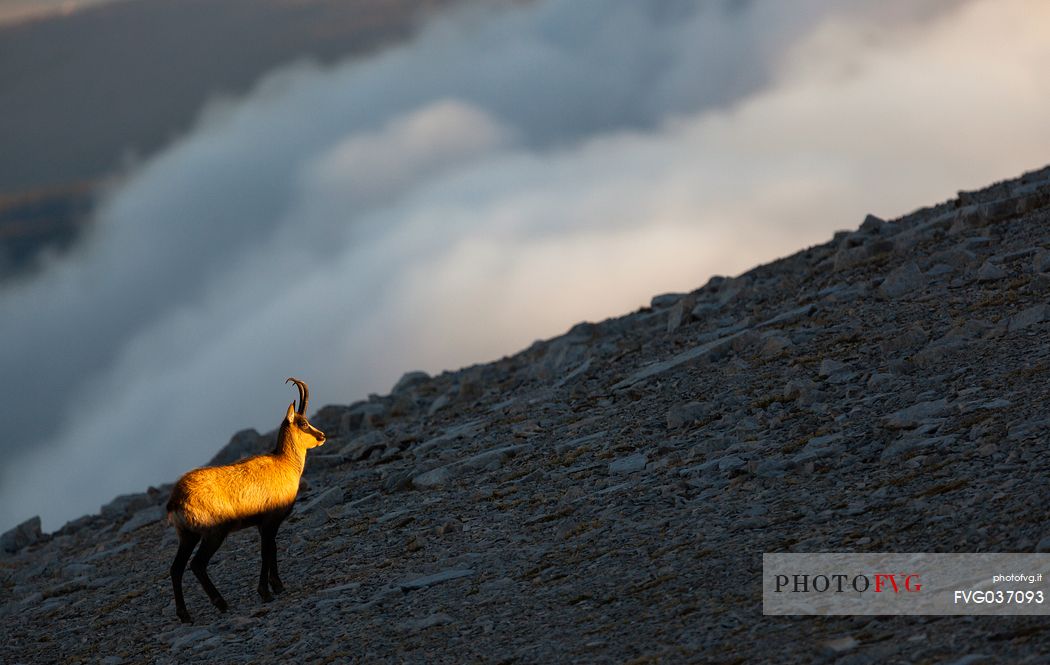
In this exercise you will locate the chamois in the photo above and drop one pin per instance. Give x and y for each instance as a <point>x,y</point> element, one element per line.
<point>206,504</point>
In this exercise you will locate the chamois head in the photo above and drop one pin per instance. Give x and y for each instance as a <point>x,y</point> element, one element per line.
<point>298,427</point>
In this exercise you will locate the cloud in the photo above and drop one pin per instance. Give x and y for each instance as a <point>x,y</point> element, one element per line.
<point>502,177</point>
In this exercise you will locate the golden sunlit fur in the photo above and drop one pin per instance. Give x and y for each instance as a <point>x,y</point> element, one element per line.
<point>208,503</point>
<point>239,495</point>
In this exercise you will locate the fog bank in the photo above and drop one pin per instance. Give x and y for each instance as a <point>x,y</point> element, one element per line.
<point>502,177</point>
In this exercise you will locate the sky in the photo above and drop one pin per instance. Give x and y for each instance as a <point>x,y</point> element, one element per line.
<point>501,177</point>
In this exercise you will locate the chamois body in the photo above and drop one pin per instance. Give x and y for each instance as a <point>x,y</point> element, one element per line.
<point>206,504</point>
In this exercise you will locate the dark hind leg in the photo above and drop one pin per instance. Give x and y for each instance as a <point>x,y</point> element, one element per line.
<point>209,543</point>
<point>187,541</point>
<point>264,573</point>
<point>269,538</point>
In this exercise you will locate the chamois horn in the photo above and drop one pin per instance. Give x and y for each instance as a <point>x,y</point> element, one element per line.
<point>304,394</point>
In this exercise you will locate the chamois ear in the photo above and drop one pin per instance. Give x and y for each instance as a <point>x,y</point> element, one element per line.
<point>290,416</point>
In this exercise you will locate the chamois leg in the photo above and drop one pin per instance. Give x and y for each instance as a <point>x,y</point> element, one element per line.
<point>209,543</point>
<point>187,541</point>
<point>269,536</point>
<point>264,573</point>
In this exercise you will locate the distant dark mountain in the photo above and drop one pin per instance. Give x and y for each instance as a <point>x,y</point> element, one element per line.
<point>81,92</point>
<point>49,217</point>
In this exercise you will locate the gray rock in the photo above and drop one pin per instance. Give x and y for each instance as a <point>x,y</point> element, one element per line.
<point>880,381</point>
<point>972,659</point>
<point>957,257</point>
<point>837,373</point>
<point>574,374</point>
<point>316,462</point>
<point>401,517</point>
<point>360,447</point>
<point>25,534</point>
<point>434,478</point>
<point>491,460</point>
<point>72,570</point>
<point>913,415</point>
<point>1014,256</point>
<point>680,313</point>
<point>398,481</point>
<point>966,331</point>
<point>1041,261</point>
<point>872,224</point>
<point>995,211</point>
<point>363,415</point>
<point>902,281</point>
<point>912,337</point>
<point>455,433</point>
<point>244,443</point>
<point>190,638</point>
<point>803,391</point>
<point>990,272</point>
<point>665,300</point>
<point>573,444</point>
<point>703,310</point>
<point>146,516</point>
<point>1043,545</point>
<point>417,625</point>
<point>437,578</point>
<point>771,468</point>
<point>1028,429</point>
<point>829,366</point>
<point>97,556</point>
<point>850,256</point>
<point>788,317</point>
<point>630,464</point>
<point>774,346</point>
<point>827,440</point>
<point>409,380</point>
<point>126,504</point>
<point>326,499</point>
<point>1040,284</point>
<point>810,453</point>
<point>840,644</point>
<point>988,405</point>
<point>1029,317</point>
<point>342,588</point>
<point>696,353</point>
<point>730,463</point>
<point>687,413</point>
<point>977,242</point>
<point>908,444</point>
<point>439,403</point>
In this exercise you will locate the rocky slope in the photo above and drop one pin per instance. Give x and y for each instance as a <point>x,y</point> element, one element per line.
<point>606,496</point>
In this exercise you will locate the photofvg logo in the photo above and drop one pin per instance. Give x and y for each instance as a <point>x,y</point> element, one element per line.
<point>844,583</point>
<point>914,583</point>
